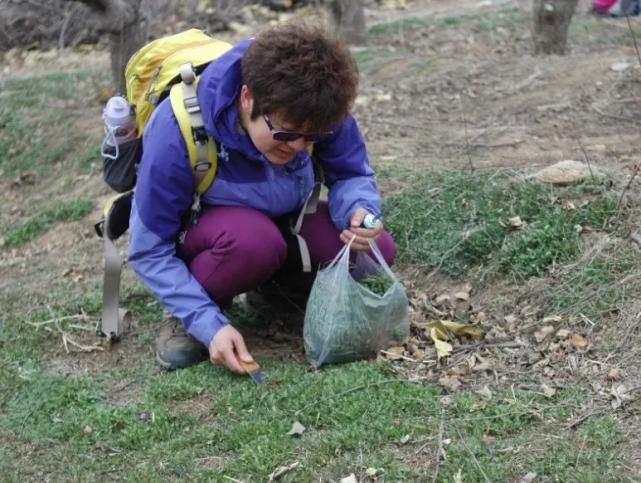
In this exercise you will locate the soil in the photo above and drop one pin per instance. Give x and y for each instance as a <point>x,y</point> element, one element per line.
<point>438,97</point>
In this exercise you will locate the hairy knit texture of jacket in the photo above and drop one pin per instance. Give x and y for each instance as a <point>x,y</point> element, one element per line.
<point>245,178</point>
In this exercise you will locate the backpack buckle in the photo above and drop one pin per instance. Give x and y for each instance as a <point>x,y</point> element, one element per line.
<point>192,105</point>
<point>187,73</point>
<point>200,135</point>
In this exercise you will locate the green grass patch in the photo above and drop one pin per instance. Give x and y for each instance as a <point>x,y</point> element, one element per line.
<point>35,226</point>
<point>599,285</point>
<point>37,129</point>
<point>508,18</point>
<point>452,221</point>
<point>205,423</point>
<point>397,27</point>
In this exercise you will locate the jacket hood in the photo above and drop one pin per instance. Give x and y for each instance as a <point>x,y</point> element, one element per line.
<point>218,89</point>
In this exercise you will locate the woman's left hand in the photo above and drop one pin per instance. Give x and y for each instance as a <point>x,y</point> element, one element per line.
<point>360,243</point>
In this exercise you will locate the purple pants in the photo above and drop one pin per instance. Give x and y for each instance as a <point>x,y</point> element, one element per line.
<point>233,250</point>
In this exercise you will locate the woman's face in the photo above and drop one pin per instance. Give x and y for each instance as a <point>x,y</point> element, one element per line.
<point>278,152</point>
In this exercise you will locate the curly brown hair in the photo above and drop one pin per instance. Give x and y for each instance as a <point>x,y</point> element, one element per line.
<point>302,72</point>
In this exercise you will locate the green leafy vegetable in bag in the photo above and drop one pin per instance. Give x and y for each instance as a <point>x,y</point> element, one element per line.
<point>346,321</point>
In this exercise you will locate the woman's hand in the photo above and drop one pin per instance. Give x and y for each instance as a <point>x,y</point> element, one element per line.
<point>226,347</point>
<point>360,243</point>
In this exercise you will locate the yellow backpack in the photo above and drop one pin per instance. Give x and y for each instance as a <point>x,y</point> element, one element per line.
<point>168,66</point>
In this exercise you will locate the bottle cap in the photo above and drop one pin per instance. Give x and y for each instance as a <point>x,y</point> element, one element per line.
<point>370,221</point>
<point>117,112</point>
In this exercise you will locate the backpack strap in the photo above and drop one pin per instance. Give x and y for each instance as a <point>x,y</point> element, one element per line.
<point>309,207</point>
<point>112,226</point>
<point>201,148</point>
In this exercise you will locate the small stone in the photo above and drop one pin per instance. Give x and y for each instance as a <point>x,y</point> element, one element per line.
<point>620,66</point>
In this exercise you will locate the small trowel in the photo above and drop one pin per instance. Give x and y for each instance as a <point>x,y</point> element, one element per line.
<point>252,368</point>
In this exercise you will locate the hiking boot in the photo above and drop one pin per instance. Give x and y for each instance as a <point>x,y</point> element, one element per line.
<point>176,349</point>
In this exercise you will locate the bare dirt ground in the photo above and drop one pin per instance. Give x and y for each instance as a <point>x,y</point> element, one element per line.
<point>456,93</point>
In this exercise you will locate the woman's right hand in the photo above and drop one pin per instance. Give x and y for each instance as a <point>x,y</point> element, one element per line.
<point>227,347</point>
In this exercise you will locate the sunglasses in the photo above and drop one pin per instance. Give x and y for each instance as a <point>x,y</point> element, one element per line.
<point>288,136</point>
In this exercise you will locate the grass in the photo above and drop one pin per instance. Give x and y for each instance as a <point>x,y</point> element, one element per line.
<point>453,222</point>
<point>507,18</point>
<point>27,230</point>
<point>115,416</point>
<point>208,424</point>
<point>397,27</point>
<point>37,130</point>
<point>599,285</point>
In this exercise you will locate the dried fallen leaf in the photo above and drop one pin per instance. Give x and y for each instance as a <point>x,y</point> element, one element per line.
<point>405,439</point>
<point>543,333</point>
<point>451,383</point>
<point>548,391</point>
<point>614,375</point>
<point>529,478</point>
<point>462,296</point>
<point>515,222</point>
<point>281,470</point>
<point>578,341</point>
<point>446,327</point>
<point>394,353</point>
<point>620,393</point>
<point>87,430</point>
<point>488,440</point>
<point>372,472</point>
<point>552,319</point>
<point>484,392</point>
<point>349,479</point>
<point>511,319</point>
<point>443,349</point>
<point>297,429</point>
<point>562,334</point>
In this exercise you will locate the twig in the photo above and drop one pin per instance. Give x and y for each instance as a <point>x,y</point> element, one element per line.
<point>357,388</point>
<point>612,116</point>
<point>585,155</point>
<point>399,356</point>
<point>84,348</point>
<point>620,201</point>
<point>233,479</point>
<point>504,415</point>
<point>487,146</point>
<point>69,12</point>
<point>634,40</point>
<point>467,140</point>
<point>439,446</point>
<point>281,470</point>
<point>57,320</point>
<point>580,419</point>
<point>483,345</point>
<point>476,462</point>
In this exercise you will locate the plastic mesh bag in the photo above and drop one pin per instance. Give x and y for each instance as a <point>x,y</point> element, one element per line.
<point>346,321</point>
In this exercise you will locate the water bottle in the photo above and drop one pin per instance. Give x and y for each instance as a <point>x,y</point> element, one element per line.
<point>118,117</point>
<point>120,125</point>
<point>370,221</point>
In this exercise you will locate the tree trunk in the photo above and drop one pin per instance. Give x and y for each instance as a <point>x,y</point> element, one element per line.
<point>124,22</point>
<point>348,20</point>
<point>551,23</point>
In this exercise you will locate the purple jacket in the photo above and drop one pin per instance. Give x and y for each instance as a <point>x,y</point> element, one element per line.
<point>245,177</point>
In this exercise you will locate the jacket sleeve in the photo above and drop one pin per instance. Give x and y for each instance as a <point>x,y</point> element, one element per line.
<point>348,173</point>
<point>161,200</point>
